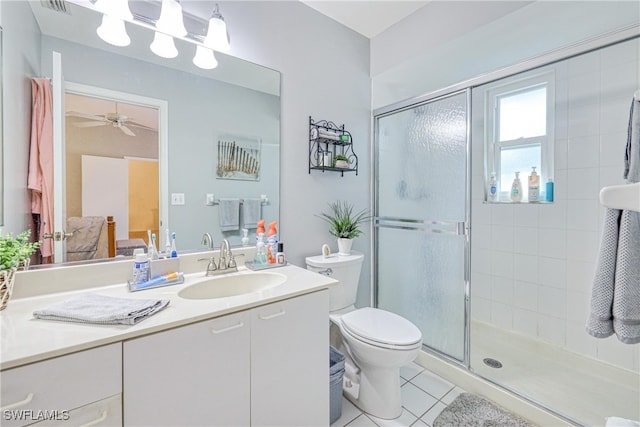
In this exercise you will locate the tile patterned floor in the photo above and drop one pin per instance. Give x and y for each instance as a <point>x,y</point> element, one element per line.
<point>424,396</point>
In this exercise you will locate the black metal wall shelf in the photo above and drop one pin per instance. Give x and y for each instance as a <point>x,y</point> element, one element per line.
<point>328,142</point>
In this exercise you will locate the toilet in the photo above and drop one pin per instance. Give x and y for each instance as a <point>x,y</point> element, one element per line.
<point>376,343</point>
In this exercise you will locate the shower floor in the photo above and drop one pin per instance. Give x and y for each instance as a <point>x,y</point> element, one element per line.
<point>581,388</point>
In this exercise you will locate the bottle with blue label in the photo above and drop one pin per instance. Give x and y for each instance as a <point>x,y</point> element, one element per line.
<point>492,193</point>
<point>140,269</point>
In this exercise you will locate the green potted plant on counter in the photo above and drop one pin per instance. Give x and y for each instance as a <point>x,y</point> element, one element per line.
<point>14,255</point>
<point>344,224</point>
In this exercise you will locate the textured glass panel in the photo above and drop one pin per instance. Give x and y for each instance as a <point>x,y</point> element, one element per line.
<point>421,277</point>
<point>422,161</point>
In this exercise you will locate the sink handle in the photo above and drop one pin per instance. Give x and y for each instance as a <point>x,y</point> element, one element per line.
<point>230,328</point>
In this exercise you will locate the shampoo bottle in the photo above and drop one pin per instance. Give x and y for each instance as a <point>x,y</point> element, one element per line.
<point>492,194</point>
<point>516,189</point>
<point>534,185</point>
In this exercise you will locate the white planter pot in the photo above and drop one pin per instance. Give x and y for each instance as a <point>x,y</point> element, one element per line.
<point>342,164</point>
<point>344,246</point>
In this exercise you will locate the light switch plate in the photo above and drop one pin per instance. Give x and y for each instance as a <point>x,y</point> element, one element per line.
<point>177,199</point>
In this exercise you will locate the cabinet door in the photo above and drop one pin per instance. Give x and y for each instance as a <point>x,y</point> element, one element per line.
<point>196,375</point>
<point>48,390</point>
<point>290,362</point>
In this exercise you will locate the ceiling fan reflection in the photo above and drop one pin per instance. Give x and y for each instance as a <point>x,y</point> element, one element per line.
<point>120,121</point>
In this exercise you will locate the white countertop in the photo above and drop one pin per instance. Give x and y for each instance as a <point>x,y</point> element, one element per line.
<point>26,339</point>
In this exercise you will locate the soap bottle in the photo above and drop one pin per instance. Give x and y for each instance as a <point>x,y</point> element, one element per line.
<point>272,242</point>
<point>534,185</point>
<point>492,194</point>
<point>516,189</point>
<point>261,254</point>
<point>245,237</point>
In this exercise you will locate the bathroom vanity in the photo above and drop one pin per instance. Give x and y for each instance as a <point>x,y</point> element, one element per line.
<point>259,358</point>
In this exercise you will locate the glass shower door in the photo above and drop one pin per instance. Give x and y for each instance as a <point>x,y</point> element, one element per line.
<point>422,217</point>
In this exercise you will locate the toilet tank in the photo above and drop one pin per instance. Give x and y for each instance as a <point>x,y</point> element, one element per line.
<point>345,269</point>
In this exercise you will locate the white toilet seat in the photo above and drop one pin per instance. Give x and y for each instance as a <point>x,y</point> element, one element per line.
<point>381,329</point>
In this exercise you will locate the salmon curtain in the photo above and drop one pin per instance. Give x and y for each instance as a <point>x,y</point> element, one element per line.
<point>40,178</point>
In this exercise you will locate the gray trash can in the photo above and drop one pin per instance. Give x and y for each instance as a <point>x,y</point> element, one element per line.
<point>336,373</point>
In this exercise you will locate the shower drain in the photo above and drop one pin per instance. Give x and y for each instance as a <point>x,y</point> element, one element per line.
<point>493,363</point>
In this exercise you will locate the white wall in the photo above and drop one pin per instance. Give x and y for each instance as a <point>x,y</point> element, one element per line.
<point>422,66</point>
<point>533,265</point>
<point>21,62</point>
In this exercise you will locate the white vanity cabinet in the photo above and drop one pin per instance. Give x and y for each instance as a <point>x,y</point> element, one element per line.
<point>264,366</point>
<point>194,375</point>
<point>290,362</point>
<point>65,390</point>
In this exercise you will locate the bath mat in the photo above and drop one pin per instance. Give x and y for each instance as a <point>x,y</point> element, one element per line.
<point>474,411</point>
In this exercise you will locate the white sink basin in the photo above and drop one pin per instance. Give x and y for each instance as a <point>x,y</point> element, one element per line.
<point>232,285</point>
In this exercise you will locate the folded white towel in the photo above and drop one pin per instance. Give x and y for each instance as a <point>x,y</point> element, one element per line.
<point>229,214</point>
<point>621,422</point>
<point>251,213</point>
<point>101,309</point>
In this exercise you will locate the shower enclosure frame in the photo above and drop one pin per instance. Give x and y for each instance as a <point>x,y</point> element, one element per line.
<point>463,229</point>
<point>621,35</point>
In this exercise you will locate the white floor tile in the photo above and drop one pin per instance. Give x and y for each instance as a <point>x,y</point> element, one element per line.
<point>432,384</point>
<point>411,370</point>
<point>450,397</point>
<point>362,421</point>
<point>404,420</point>
<point>416,400</point>
<point>349,413</point>
<point>432,413</point>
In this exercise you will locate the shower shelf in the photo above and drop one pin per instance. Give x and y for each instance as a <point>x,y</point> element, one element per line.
<point>326,141</point>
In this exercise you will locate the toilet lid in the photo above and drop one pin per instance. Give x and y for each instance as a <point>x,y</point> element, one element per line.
<point>380,326</point>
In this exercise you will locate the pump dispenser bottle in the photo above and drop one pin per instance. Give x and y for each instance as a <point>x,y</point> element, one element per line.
<point>492,193</point>
<point>534,185</point>
<point>516,189</point>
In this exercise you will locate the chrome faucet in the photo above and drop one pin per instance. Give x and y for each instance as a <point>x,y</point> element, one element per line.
<point>207,241</point>
<point>225,250</point>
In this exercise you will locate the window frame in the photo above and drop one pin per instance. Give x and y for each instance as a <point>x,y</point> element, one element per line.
<point>493,147</point>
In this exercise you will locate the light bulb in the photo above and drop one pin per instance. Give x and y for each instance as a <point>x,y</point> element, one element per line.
<point>163,46</point>
<point>170,20</point>
<point>204,58</point>
<point>217,34</point>
<point>112,31</point>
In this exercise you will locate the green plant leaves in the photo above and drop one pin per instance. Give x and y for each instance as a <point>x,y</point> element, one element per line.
<point>14,250</point>
<point>343,223</point>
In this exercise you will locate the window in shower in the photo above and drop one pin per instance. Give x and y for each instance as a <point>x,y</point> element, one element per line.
<point>520,131</point>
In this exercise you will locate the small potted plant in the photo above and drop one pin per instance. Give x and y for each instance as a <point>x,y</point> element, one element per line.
<point>341,161</point>
<point>14,255</point>
<point>344,224</point>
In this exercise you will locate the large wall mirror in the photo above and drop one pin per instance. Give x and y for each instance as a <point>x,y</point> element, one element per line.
<point>1,140</point>
<point>159,143</point>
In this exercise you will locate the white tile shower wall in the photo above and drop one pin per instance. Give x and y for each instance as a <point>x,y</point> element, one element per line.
<point>533,265</point>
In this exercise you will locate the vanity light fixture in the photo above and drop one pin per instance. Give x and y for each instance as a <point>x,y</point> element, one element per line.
<point>163,45</point>
<point>112,29</point>
<point>171,21</point>
<point>217,37</point>
<point>204,58</point>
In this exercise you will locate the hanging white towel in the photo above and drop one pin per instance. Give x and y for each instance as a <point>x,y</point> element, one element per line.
<point>251,213</point>
<point>229,214</point>
<point>101,309</point>
<point>615,297</point>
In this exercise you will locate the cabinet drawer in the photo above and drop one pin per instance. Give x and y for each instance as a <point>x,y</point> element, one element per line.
<point>60,384</point>
<point>104,413</point>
